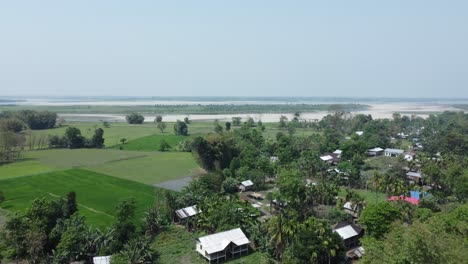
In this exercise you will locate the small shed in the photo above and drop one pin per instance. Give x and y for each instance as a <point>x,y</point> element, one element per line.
<point>415,176</point>
<point>332,158</point>
<point>350,233</point>
<point>338,152</point>
<point>246,185</point>
<point>187,212</point>
<point>410,155</point>
<point>102,260</point>
<point>389,152</point>
<point>373,152</point>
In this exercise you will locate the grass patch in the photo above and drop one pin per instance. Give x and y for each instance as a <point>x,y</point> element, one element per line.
<point>144,167</point>
<point>68,158</point>
<point>369,196</point>
<point>187,108</point>
<point>112,135</point>
<point>97,194</point>
<point>176,245</point>
<point>151,143</point>
<point>24,167</point>
<point>154,168</point>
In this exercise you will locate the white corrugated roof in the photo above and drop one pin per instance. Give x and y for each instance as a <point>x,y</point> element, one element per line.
<point>219,241</point>
<point>102,260</point>
<point>187,211</point>
<point>413,174</point>
<point>338,151</point>
<point>376,149</point>
<point>348,205</point>
<point>247,183</point>
<point>359,133</point>
<point>326,158</point>
<point>346,232</point>
<point>399,151</point>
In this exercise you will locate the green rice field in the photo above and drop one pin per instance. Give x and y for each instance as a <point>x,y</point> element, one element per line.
<point>153,168</point>
<point>152,142</point>
<point>97,194</point>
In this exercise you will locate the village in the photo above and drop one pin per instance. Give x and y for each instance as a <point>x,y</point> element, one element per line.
<point>234,243</point>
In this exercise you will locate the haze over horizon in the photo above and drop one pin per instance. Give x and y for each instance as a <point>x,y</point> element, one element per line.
<point>243,48</point>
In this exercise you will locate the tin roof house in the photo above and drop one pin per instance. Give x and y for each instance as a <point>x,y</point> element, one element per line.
<point>221,246</point>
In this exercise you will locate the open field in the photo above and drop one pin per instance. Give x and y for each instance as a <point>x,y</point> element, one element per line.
<point>151,143</point>
<point>379,164</point>
<point>119,130</point>
<point>144,167</point>
<point>23,168</point>
<point>176,245</point>
<point>97,194</point>
<point>154,168</point>
<point>68,158</point>
<point>112,134</point>
<point>369,196</point>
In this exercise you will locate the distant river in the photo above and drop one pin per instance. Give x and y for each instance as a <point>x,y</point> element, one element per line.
<point>383,110</point>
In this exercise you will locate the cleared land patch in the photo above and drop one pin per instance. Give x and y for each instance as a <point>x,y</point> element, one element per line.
<point>154,168</point>
<point>24,167</point>
<point>68,158</point>
<point>97,194</point>
<point>151,143</point>
<point>112,134</point>
<point>370,197</point>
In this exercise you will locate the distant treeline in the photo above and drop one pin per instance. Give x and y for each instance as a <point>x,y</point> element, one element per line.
<point>30,118</point>
<point>194,109</point>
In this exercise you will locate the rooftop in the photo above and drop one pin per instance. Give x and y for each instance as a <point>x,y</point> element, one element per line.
<point>219,241</point>
<point>347,230</point>
<point>187,212</point>
<point>376,149</point>
<point>399,151</point>
<point>102,260</point>
<point>247,183</point>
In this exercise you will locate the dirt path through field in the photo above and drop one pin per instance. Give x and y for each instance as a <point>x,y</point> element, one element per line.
<point>84,206</point>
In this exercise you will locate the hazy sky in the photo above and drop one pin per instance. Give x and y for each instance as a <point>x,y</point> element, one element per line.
<point>273,48</point>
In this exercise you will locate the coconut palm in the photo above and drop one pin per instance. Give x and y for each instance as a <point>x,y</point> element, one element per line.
<point>276,232</point>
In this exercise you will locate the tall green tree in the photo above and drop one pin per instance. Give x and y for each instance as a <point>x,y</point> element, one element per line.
<point>377,218</point>
<point>97,140</point>
<point>180,128</point>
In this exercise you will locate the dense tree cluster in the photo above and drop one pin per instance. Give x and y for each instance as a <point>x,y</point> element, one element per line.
<point>432,238</point>
<point>306,194</point>
<point>181,128</point>
<point>135,118</point>
<point>244,154</point>
<point>32,119</point>
<point>53,231</point>
<point>73,139</point>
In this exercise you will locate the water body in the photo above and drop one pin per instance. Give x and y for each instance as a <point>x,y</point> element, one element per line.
<point>379,107</point>
<point>175,185</point>
<point>219,100</point>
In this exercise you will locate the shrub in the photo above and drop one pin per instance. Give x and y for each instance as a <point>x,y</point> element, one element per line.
<point>135,118</point>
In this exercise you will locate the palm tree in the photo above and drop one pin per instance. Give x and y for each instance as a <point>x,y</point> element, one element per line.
<point>275,230</point>
<point>138,251</point>
<point>153,221</point>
